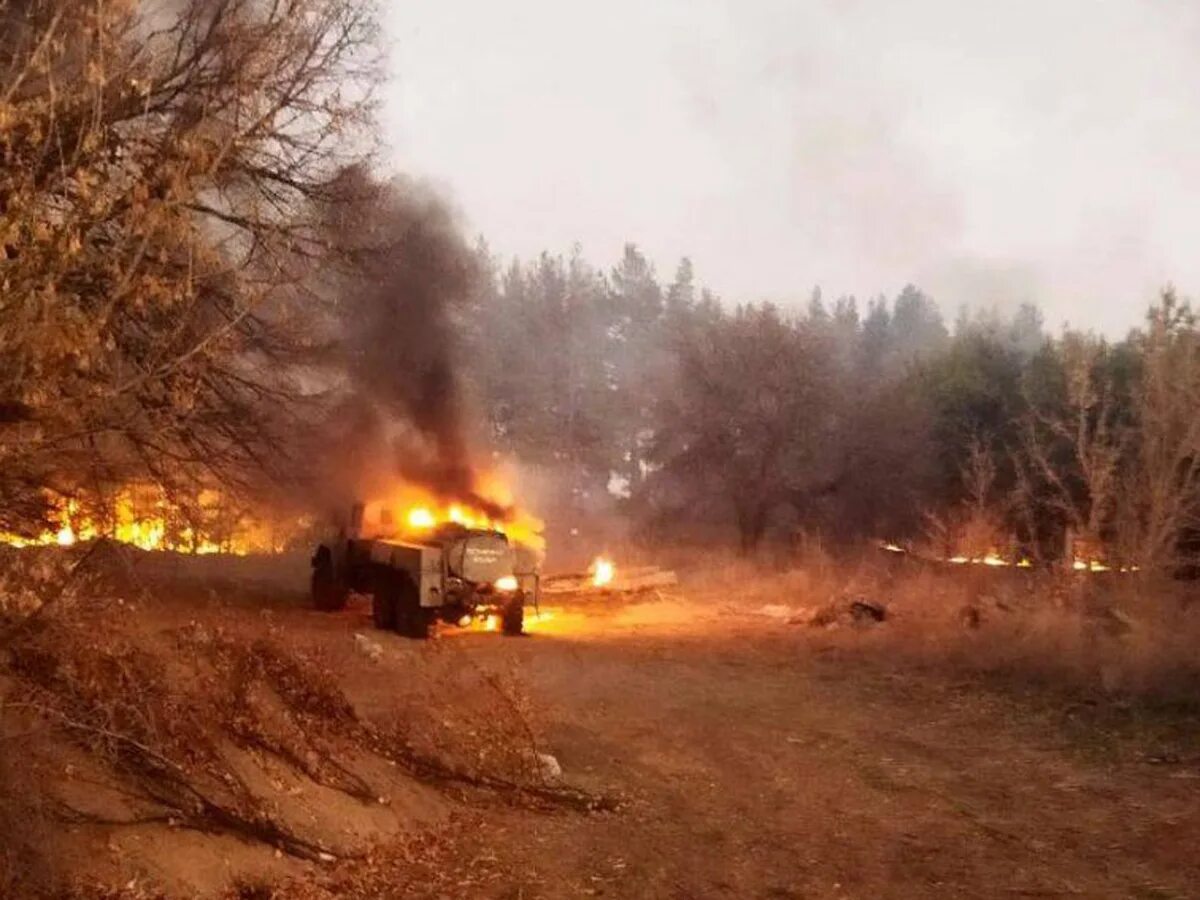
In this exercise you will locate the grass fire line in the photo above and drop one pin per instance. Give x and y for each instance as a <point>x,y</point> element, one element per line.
<point>992,559</point>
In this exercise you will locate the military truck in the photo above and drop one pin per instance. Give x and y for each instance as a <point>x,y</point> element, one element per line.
<point>449,573</point>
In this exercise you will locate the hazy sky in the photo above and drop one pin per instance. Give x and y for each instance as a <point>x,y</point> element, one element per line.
<point>1044,150</point>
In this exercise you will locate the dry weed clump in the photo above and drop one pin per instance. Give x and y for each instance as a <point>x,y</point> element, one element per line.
<point>732,579</point>
<point>1119,640</point>
<point>23,821</point>
<point>287,704</point>
<point>1116,634</point>
<point>453,861</point>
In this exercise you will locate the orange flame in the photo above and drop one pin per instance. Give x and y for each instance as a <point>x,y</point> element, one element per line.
<point>419,511</point>
<point>993,558</point>
<point>602,571</point>
<point>142,517</point>
<point>419,517</point>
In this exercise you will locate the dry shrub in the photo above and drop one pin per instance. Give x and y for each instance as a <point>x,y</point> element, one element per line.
<point>1119,640</point>
<point>1113,633</point>
<point>31,582</point>
<point>438,863</point>
<point>29,579</point>
<point>87,890</point>
<point>455,723</point>
<point>470,722</point>
<point>286,703</point>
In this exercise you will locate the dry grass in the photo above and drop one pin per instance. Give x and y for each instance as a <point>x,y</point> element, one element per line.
<point>1104,634</point>
<point>1120,635</point>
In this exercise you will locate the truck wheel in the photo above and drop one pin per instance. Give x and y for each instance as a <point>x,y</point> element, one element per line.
<point>512,618</point>
<point>383,602</point>
<point>411,619</point>
<point>327,594</point>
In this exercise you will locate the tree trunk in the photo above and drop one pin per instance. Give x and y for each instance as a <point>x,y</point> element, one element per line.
<point>752,526</point>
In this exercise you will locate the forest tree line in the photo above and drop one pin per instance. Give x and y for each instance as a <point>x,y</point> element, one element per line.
<point>703,420</point>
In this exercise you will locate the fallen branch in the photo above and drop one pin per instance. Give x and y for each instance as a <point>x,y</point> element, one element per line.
<point>167,784</point>
<point>434,771</point>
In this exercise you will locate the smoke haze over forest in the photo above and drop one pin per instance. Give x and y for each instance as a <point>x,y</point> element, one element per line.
<point>1031,152</point>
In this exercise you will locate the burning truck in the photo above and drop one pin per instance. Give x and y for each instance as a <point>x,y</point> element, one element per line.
<point>455,569</point>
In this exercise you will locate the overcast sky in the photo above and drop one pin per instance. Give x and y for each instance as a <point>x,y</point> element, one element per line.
<point>1044,150</point>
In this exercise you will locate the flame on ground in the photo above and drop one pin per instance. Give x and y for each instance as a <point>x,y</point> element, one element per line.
<point>988,559</point>
<point>602,571</point>
<point>993,558</point>
<point>1095,565</point>
<point>535,620</point>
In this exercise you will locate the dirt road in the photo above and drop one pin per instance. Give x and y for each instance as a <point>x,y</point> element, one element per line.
<point>758,762</point>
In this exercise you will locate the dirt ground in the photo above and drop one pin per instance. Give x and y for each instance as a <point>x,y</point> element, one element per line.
<point>759,762</point>
<point>756,758</point>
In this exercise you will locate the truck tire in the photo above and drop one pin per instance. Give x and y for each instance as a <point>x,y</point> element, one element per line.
<point>327,594</point>
<point>383,601</point>
<point>512,618</point>
<point>411,619</point>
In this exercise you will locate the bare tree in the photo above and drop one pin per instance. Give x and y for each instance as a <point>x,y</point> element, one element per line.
<point>1120,464</point>
<point>159,166</point>
<point>1160,506</point>
<point>977,527</point>
<point>1071,452</point>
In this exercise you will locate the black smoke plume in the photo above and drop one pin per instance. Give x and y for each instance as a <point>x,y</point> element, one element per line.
<point>411,273</point>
